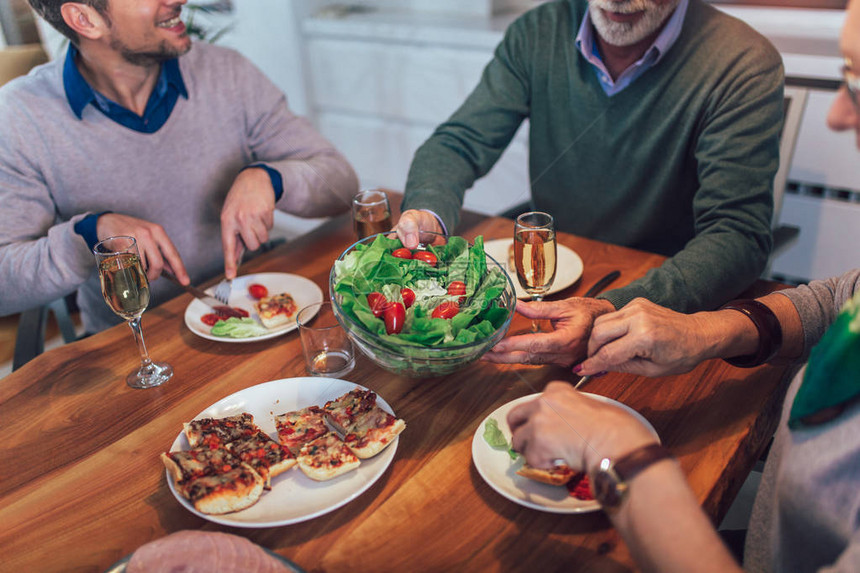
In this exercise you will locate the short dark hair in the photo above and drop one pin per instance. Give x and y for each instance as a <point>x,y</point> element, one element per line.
<point>50,11</point>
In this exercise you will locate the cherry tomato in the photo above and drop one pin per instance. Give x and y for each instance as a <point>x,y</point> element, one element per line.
<point>447,309</point>
<point>210,319</point>
<point>408,296</point>
<point>377,303</point>
<point>257,291</point>
<point>402,253</point>
<point>425,256</point>
<point>457,288</point>
<point>395,316</point>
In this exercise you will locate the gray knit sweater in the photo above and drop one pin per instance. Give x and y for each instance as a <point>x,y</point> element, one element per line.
<point>806,515</point>
<point>55,169</point>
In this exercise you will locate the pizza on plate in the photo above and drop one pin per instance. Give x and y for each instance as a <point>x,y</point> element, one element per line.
<point>326,458</point>
<point>367,429</point>
<point>215,432</point>
<point>225,492</point>
<point>265,455</point>
<point>559,475</point>
<point>301,426</point>
<point>276,310</point>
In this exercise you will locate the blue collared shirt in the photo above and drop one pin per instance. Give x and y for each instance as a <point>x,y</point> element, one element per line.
<point>168,88</point>
<point>586,43</point>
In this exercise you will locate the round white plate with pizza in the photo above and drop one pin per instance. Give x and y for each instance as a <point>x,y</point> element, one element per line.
<point>303,291</point>
<point>499,470</point>
<point>293,497</point>
<point>568,265</point>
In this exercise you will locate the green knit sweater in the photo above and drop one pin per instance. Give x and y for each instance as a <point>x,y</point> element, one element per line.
<point>680,163</point>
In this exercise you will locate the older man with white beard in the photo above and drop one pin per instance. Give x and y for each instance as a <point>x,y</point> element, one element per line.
<point>654,124</point>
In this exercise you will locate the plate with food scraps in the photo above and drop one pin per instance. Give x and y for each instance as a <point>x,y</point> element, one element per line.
<point>568,265</point>
<point>198,316</point>
<point>294,497</point>
<point>498,469</point>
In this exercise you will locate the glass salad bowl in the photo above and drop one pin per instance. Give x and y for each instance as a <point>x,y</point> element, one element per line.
<point>426,346</point>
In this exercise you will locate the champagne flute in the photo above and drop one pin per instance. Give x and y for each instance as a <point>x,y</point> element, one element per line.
<point>126,291</point>
<point>535,254</point>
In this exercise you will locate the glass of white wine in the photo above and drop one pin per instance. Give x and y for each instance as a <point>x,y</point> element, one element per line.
<point>535,254</point>
<point>126,291</point>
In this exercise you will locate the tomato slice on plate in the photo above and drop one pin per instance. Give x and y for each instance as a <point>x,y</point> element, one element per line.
<point>257,291</point>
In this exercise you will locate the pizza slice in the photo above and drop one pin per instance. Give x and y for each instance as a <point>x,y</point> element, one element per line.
<point>215,432</point>
<point>276,310</point>
<point>301,426</point>
<point>559,475</point>
<point>265,455</point>
<point>189,465</point>
<point>225,492</point>
<point>342,411</point>
<point>326,458</point>
<point>372,431</point>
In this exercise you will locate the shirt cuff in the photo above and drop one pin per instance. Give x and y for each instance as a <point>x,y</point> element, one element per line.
<point>274,175</point>
<point>86,228</point>
<point>438,219</point>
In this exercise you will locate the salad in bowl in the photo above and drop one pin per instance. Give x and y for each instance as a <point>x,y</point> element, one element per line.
<point>422,312</point>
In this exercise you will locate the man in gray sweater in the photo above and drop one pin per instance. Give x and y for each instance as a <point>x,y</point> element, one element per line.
<point>136,133</point>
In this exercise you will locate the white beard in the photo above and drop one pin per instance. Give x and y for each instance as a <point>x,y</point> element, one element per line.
<point>623,33</point>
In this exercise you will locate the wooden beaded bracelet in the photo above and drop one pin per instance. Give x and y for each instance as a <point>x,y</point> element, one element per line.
<point>769,332</point>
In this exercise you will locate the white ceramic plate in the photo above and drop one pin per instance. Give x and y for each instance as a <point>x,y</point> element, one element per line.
<point>499,470</point>
<point>304,292</point>
<point>293,497</point>
<point>568,268</point>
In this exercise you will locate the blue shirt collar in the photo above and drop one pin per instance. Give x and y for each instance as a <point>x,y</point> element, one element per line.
<point>587,45</point>
<point>79,93</point>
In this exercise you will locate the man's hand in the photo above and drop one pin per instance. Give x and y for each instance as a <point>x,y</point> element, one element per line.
<point>412,223</point>
<point>647,339</point>
<point>571,320</point>
<point>156,248</point>
<point>247,215</point>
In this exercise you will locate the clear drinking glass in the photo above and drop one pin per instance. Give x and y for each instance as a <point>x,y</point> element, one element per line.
<point>371,213</point>
<point>535,254</point>
<point>126,291</point>
<point>328,349</point>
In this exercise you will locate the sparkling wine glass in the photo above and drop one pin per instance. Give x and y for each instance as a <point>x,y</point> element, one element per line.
<point>126,291</point>
<point>535,254</point>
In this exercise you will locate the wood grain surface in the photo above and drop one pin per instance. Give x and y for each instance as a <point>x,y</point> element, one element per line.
<point>83,484</point>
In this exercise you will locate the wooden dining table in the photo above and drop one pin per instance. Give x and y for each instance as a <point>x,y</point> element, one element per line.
<point>83,485</point>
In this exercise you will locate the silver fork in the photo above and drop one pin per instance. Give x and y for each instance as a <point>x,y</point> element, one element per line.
<point>225,287</point>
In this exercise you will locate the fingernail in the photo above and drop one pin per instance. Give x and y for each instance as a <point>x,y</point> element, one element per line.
<point>577,368</point>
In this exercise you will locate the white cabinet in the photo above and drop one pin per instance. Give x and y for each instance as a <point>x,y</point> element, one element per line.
<point>380,83</point>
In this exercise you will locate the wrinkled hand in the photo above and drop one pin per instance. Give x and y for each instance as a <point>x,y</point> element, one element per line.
<point>248,214</point>
<point>412,223</point>
<point>157,251</point>
<point>650,340</point>
<point>571,321</point>
<point>563,423</point>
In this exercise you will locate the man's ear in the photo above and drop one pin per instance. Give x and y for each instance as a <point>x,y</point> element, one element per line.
<point>84,19</point>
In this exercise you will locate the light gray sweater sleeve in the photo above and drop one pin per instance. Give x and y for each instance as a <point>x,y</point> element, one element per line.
<point>41,259</point>
<point>318,180</point>
<point>819,302</point>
